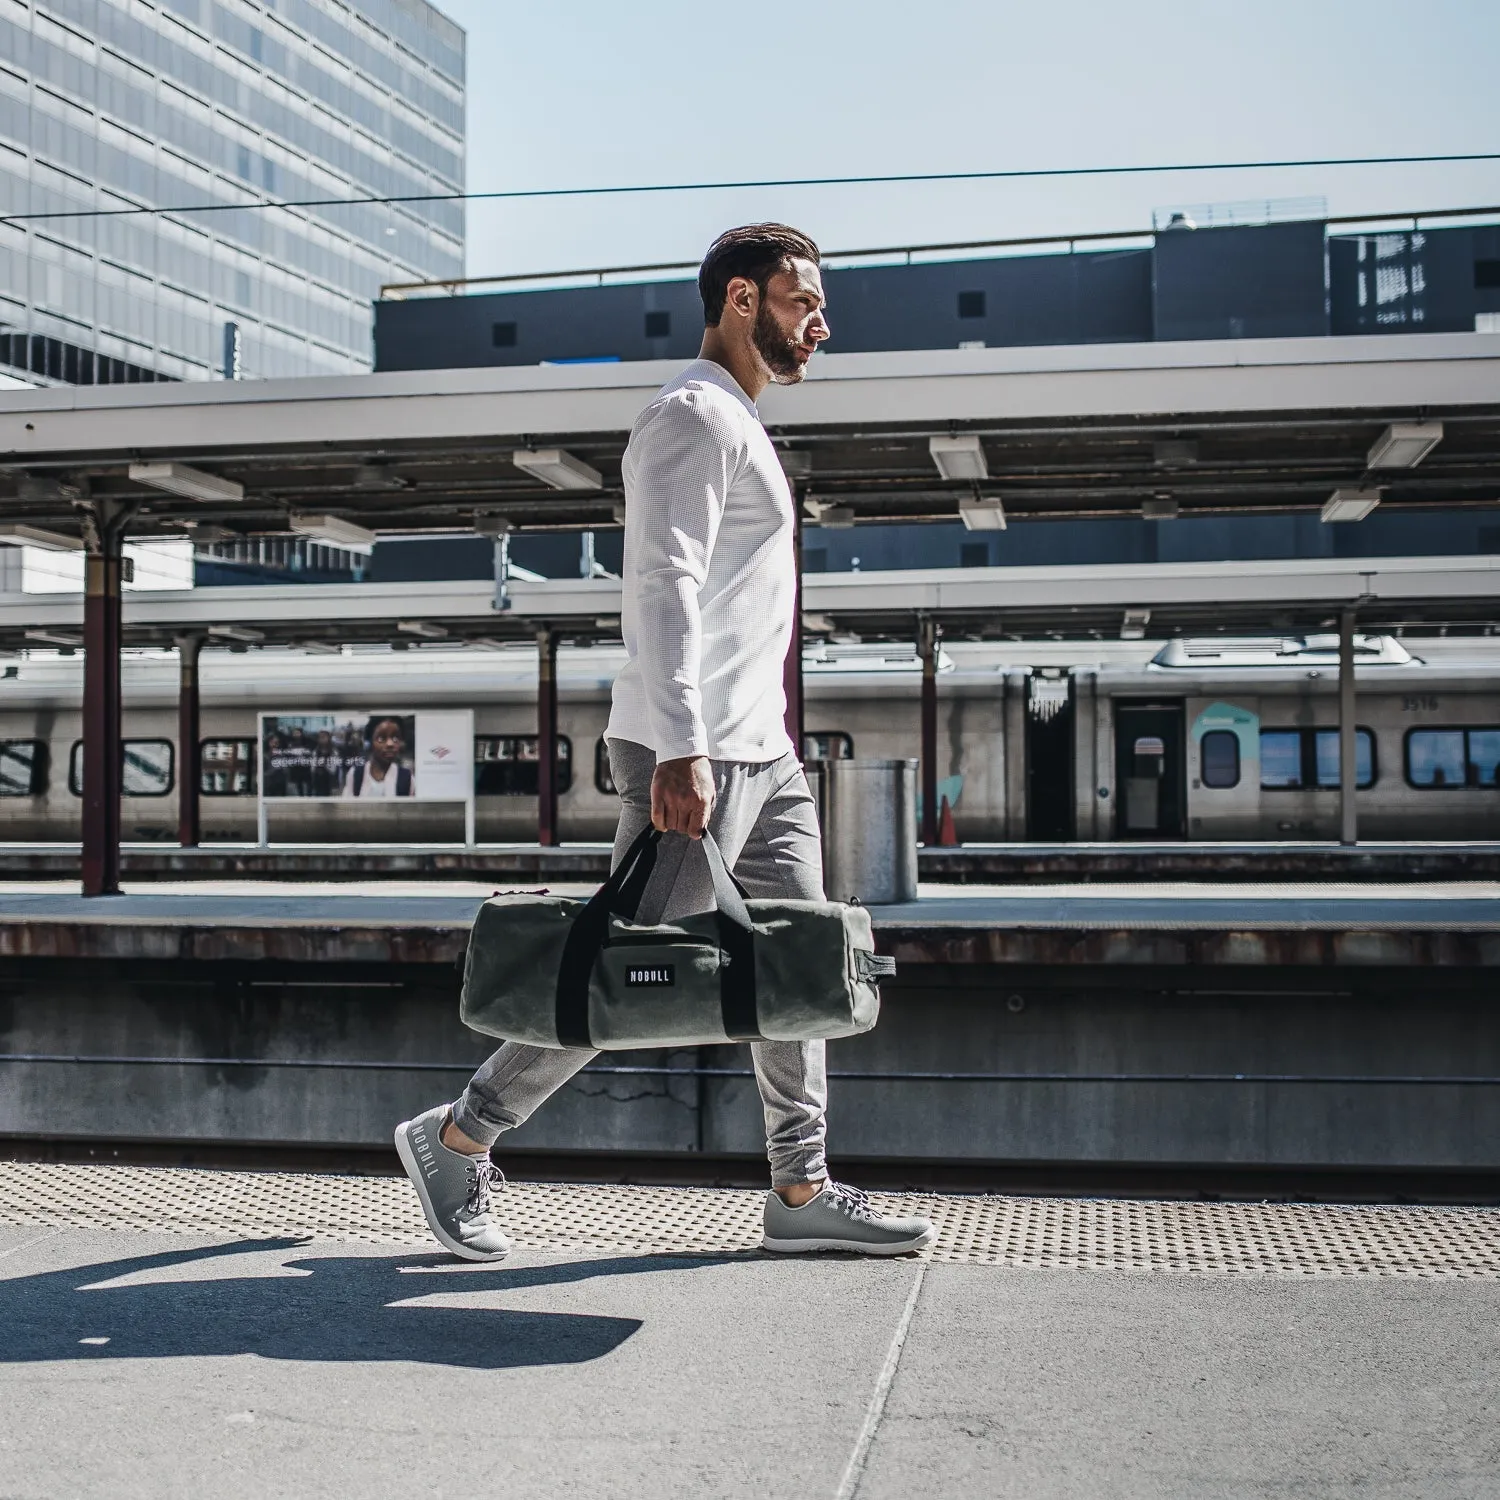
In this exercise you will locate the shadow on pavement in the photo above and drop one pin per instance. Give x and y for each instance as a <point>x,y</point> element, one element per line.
<point>342,1308</point>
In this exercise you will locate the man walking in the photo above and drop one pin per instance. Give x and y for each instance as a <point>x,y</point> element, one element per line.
<point>697,739</point>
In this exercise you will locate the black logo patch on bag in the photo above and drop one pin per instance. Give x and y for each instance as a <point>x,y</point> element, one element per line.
<point>651,976</point>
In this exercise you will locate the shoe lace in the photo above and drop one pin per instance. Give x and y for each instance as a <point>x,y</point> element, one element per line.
<point>854,1201</point>
<point>483,1175</point>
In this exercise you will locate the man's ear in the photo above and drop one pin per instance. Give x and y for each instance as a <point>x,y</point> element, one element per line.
<point>743,296</point>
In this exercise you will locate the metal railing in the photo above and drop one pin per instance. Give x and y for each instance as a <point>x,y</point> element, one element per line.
<point>397,291</point>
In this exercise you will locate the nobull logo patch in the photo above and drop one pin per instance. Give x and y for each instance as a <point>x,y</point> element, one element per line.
<point>654,976</point>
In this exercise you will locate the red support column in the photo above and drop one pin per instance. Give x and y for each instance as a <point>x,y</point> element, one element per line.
<point>103,763</point>
<point>791,671</point>
<point>928,645</point>
<point>188,770</point>
<point>546,738</point>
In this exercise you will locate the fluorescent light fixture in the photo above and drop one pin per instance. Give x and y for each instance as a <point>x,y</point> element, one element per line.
<point>205,533</point>
<point>982,515</point>
<point>959,457</point>
<point>190,483</point>
<point>1403,445</point>
<point>236,633</point>
<point>20,534</point>
<point>321,648</point>
<point>1133,627</point>
<point>826,513</point>
<point>1159,508</point>
<point>1174,453</point>
<point>333,529</point>
<point>424,628</point>
<point>1351,504</point>
<point>493,526</point>
<point>557,467</point>
<point>54,637</point>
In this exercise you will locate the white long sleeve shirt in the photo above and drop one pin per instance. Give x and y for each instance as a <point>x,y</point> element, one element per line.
<point>710,576</point>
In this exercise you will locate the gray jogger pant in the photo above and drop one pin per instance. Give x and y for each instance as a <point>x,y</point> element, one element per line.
<point>765,823</point>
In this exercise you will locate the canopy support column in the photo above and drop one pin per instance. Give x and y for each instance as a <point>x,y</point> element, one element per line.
<point>791,671</point>
<point>188,770</point>
<point>1348,749</point>
<point>928,646</point>
<point>546,737</point>
<point>104,523</point>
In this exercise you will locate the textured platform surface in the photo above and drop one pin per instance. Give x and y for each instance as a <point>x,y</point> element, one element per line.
<point>172,1333</point>
<point>1090,1234</point>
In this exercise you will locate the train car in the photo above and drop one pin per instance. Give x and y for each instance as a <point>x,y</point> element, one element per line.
<point>1046,742</point>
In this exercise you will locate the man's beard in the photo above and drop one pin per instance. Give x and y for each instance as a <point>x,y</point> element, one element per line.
<point>778,349</point>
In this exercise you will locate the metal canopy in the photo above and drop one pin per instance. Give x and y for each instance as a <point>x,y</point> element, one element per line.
<point>1202,598</point>
<point>1095,430</point>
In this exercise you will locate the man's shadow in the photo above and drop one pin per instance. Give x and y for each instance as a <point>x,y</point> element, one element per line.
<point>347,1308</point>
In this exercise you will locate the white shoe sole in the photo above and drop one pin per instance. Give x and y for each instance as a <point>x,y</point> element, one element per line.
<point>446,1240</point>
<point>855,1247</point>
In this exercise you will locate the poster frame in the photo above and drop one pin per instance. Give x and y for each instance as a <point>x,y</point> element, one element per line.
<point>263,803</point>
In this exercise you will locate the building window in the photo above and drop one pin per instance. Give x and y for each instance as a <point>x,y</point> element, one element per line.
<point>1439,758</point>
<point>23,768</point>
<point>828,744</point>
<point>1302,759</point>
<point>974,555</point>
<point>1219,754</point>
<point>971,304</point>
<point>503,335</point>
<point>226,768</point>
<point>658,325</point>
<point>147,767</point>
<point>506,765</point>
<point>1486,275</point>
<point>604,780</point>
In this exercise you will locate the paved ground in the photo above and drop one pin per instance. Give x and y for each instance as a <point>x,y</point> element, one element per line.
<point>170,1364</point>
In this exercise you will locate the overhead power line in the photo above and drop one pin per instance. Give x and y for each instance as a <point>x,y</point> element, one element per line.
<point>881,180</point>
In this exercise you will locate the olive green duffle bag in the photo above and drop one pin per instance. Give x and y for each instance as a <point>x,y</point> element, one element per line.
<point>561,973</point>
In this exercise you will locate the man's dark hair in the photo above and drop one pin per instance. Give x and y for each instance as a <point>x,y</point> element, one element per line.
<point>756,251</point>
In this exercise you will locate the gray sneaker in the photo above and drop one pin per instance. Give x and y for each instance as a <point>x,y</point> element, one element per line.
<point>454,1190</point>
<point>842,1218</point>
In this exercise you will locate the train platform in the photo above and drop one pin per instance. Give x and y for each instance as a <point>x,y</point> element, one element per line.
<point>174,1332</point>
<point>1453,923</point>
<point>971,863</point>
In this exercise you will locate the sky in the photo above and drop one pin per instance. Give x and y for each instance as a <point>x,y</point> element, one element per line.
<point>599,92</point>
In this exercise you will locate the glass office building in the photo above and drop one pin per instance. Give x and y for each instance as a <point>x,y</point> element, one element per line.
<point>216,108</point>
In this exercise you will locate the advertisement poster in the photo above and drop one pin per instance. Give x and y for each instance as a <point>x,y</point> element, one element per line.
<point>372,755</point>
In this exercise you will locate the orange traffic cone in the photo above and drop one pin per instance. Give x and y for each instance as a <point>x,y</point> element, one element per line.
<point>947,833</point>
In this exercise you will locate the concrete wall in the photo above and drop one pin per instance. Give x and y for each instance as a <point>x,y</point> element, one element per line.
<point>935,1020</point>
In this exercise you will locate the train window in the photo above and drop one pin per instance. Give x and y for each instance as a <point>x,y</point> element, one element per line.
<point>1219,751</point>
<point>503,335</point>
<point>1453,757</point>
<point>226,768</point>
<point>971,304</point>
<point>658,325</point>
<point>147,767</point>
<point>604,781</point>
<point>23,768</point>
<point>1484,757</point>
<point>1280,758</point>
<point>1328,757</point>
<point>506,765</point>
<point>828,744</point>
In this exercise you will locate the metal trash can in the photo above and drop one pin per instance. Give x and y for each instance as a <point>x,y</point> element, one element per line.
<point>868,813</point>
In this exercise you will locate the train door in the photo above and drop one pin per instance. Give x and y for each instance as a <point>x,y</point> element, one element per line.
<point>1149,770</point>
<point>1049,759</point>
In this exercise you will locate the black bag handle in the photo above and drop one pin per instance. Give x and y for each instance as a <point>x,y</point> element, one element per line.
<point>622,894</point>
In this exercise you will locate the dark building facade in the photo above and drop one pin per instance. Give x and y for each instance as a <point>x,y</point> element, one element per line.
<point>1255,281</point>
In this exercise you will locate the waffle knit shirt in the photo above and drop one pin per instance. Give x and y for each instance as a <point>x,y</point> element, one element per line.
<point>710,576</point>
